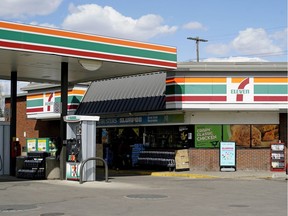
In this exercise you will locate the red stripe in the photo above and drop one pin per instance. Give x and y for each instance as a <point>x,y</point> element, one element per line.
<point>49,100</point>
<point>62,51</point>
<point>270,98</point>
<point>195,98</point>
<point>29,110</point>
<point>242,85</point>
<point>70,107</point>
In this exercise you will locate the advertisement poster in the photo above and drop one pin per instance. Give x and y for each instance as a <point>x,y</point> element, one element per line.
<point>31,145</point>
<point>248,136</point>
<point>104,136</point>
<point>208,136</point>
<point>227,154</point>
<point>42,145</point>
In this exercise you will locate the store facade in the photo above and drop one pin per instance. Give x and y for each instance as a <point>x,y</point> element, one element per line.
<point>196,107</point>
<point>246,104</point>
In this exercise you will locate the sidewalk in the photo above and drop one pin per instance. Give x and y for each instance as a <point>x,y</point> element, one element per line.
<point>196,174</point>
<point>225,174</point>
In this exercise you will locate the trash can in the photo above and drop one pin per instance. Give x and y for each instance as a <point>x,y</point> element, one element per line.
<point>52,168</point>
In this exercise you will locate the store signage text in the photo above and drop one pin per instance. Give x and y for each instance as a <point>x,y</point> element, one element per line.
<point>153,119</point>
<point>240,91</point>
<point>205,134</point>
<point>130,120</point>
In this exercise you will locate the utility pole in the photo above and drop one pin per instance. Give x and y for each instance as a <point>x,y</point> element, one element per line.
<point>197,39</point>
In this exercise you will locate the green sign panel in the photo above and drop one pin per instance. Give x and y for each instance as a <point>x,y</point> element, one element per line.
<point>207,136</point>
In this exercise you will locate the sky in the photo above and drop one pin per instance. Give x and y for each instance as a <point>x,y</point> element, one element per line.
<point>236,30</point>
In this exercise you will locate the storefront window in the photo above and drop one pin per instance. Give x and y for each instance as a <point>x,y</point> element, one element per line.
<point>169,137</point>
<point>186,136</point>
<point>255,136</point>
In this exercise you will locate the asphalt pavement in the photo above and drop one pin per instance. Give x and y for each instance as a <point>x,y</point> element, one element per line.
<point>149,193</point>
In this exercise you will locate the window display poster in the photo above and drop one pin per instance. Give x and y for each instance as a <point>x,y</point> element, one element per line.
<point>227,154</point>
<point>31,145</point>
<point>104,136</point>
<point>248,136</point>
<point>208,136</point>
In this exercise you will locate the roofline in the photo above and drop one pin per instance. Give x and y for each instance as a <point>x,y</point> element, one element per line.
<point>232,66</point>
<point>39,86</point>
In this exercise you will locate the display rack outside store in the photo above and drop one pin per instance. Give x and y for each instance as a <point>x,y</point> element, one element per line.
<point>157,159</point>
<point>278,157</point>
<point>34,166</point>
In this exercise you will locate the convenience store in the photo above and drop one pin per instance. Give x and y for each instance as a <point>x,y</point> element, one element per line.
<point>196,107</point>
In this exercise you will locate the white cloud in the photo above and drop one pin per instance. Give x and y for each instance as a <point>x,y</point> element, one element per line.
<point>254,41</point>
<point>280,35</point>
<point>24,8</point>
<point>194,25</point>
<point>280,38</point>
<point>44,24</point>
<point>5,87</point>
<point>234,59</point>
<point>92,18</point>
<point>251,42</point>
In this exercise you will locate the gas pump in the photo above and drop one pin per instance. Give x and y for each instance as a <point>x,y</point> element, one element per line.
<point>80,145</point>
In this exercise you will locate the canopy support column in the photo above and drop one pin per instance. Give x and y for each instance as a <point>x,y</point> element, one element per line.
<point>64,102</point>
<point>13,120</point>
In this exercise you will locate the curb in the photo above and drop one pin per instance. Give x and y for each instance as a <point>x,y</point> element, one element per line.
<point>183,175</point>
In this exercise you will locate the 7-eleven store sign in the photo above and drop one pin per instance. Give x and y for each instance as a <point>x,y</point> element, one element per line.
<point>240,90</point>
<point>49,102</point>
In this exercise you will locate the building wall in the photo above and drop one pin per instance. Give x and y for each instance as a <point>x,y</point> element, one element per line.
<point>31,128</point>
<point>247,159</point>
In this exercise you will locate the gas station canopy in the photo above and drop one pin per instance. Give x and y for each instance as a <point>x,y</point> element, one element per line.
<point>36,53</point>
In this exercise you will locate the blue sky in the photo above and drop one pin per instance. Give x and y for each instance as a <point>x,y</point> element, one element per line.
<point>236,30</point>
<point>255,30</point>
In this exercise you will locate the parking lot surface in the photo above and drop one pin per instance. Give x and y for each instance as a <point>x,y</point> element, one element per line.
<point>139,195</point>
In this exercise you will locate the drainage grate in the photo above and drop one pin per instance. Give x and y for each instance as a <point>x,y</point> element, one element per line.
<point>12,208</point>
<point>146,196</point>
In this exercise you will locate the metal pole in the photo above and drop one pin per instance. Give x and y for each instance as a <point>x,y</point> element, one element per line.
<point>93,158</point>
<point>197,50</point>
<point>197,39</point>
<point>13,121</point>
<point>64,102</point>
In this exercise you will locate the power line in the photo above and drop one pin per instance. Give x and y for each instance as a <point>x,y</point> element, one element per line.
<point>233,35</point>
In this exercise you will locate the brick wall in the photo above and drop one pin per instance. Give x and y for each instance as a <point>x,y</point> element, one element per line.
<point>247,159</point>
<point>33,128</point>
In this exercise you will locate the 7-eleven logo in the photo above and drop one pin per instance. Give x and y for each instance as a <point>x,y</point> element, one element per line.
<point>240,90</point>
<point>49,102</point>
